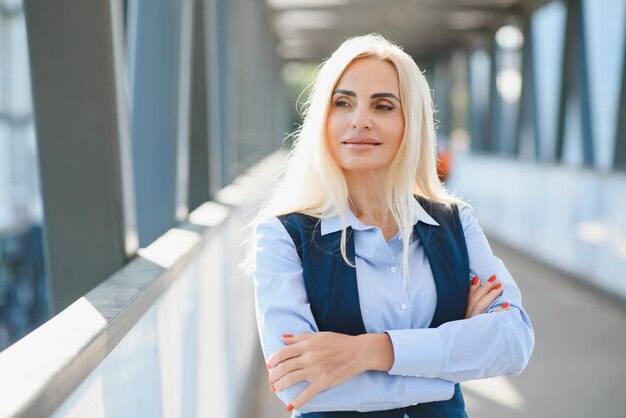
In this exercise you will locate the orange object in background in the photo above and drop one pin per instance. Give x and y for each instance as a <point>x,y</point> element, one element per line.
<point>443,164</point>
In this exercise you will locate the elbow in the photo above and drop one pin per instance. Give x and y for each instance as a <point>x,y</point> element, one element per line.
<point>523,344</point>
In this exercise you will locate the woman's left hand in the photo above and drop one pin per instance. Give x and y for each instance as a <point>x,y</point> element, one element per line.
<point>324,359</point>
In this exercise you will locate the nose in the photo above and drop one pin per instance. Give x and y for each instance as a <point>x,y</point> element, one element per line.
<point>361,118</point>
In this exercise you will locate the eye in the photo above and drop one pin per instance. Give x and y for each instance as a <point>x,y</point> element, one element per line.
<point>384,106</point>
<point>341,103</point>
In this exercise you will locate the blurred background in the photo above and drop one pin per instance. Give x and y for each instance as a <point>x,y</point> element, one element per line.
<point>138,136</point>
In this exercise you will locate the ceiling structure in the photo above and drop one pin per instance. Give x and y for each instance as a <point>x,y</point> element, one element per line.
<point>309,30</point>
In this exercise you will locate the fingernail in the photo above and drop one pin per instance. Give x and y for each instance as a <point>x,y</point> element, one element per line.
<point>287,336</point>
<point>505,305</point>
<point>289,407</point>
<point>498,286</point>
<point>475,280</point>
<point>269,366</point>
<point>273,388</point>
<point>492,278</point>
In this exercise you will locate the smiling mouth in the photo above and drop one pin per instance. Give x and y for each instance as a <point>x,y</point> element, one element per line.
<point>361,141</point>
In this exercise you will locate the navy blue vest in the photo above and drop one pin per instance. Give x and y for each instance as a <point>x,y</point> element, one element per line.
<point>332,290</point>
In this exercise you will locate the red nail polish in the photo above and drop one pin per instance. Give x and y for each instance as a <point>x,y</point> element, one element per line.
<point>289,407</point>
<point>273,388</point>
<point>498,286</point>
<point>505,305</point>
<point>492,278</point>
<point>475,280</point>
<point>287,336</point>
<point>269,366</point>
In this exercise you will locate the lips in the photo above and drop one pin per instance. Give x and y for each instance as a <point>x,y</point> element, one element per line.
<point>363,140</point>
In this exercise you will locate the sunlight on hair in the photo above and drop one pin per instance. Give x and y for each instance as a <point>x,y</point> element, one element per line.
<point>497,389</point>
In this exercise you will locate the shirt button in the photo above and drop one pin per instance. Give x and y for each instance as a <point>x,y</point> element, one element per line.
<point>403,306</point>
<point>393,269</point>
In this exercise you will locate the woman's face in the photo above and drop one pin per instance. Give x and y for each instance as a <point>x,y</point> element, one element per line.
<point>365,121</point>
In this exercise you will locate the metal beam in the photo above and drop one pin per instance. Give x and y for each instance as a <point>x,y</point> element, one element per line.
<point>159,50</point>
<point>81,119</point>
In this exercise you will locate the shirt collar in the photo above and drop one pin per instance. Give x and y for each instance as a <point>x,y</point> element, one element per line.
<point>333,224</point>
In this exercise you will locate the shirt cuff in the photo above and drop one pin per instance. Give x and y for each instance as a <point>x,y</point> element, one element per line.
<point>417,352</point>
<point>421,390</point>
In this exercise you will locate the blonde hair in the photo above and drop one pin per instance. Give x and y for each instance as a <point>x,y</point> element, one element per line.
<point>312,183</point>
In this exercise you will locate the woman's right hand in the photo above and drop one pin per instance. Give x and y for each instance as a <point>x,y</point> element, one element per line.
<point>480,296</point>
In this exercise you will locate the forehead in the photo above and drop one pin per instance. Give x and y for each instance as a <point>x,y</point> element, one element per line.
<point>370,74</point>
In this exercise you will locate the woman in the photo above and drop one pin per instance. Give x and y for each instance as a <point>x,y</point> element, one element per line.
<point>360,197</point>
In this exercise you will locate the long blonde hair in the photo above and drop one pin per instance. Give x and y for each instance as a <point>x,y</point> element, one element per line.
<point>312,183</point>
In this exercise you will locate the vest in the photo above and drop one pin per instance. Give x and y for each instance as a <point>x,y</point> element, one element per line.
<point>331,286</point>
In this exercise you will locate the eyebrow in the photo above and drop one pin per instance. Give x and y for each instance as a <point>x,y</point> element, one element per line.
<point>373,96</point>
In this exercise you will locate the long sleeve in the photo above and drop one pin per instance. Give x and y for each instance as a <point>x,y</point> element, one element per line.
<point>486,345</point>
<point>282,306</point>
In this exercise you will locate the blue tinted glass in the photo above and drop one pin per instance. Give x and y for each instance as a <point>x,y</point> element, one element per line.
<point>604,40</point>
<point>548,36</point>
<point>23,285</point>
<point>573,133</point>
<point>479,96</point>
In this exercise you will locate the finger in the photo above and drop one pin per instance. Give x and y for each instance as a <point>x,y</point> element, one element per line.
<point>284,368</point>
<point>282,354</point>
<point>474,285</point>
<point>290,379</point>
<point>484,302</point>
<point>303,397</point>
<point>291,338</point>
<point>486,287</point>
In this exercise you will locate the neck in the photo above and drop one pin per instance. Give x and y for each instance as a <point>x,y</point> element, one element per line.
<point>367,198</point>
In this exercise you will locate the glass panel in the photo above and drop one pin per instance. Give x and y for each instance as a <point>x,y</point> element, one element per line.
<point>573,132</point>
<point>604,40</point>
<point>480,65</point>
<point>23,283</point>
<point>548,33</point>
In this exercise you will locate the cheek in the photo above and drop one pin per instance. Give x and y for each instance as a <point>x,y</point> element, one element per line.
<point>332,127</point>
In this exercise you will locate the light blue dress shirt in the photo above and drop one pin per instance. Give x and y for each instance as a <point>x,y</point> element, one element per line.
<point>427,362</point>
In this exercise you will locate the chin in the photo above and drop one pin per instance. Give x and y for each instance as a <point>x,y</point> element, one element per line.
<point>357,166</point>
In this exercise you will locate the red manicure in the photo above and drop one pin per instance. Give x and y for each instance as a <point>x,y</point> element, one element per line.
<point>287,336</point>
<point>269,366</point>
<point>498,286</point>
<point>492,278</point>
<point>289,407</point>
<point>273,388</point>
<point>505,305</point>
<point>475,280</point>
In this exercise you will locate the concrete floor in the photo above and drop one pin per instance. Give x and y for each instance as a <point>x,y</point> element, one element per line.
<point>578,368</point>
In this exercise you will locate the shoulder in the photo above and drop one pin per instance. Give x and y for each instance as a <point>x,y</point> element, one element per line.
<point>438,210</point>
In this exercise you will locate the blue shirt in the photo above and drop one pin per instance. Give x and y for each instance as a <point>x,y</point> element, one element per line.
<point>427,361</point>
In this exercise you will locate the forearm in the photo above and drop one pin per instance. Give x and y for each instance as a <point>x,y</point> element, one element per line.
<point>372,391</point>
<point>376,351</point>
<point>486,345</point>
<point>370,388</point>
